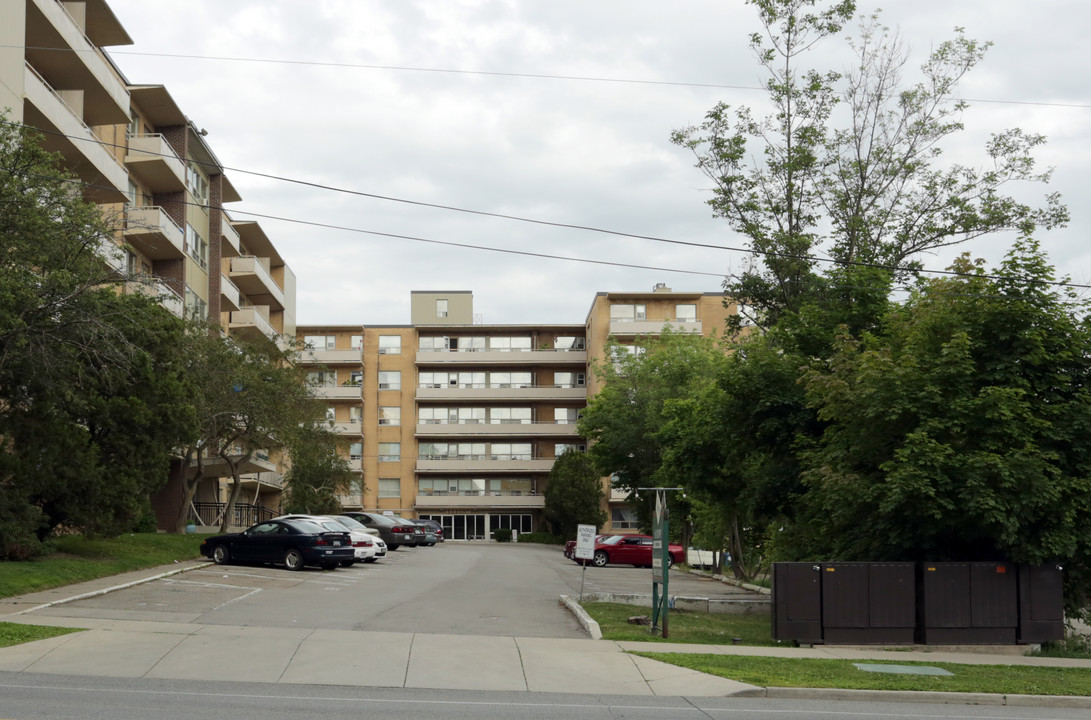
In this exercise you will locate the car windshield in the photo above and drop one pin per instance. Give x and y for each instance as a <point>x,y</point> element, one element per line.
<point>352,523</point>
<point>612,540</point>
<point>306,526</point>
<point>333,526</point>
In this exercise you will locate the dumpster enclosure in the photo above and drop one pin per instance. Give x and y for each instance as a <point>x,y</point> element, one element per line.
<point>905,603</point>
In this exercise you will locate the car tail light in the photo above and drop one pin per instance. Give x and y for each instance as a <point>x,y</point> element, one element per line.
<point>321,541</point>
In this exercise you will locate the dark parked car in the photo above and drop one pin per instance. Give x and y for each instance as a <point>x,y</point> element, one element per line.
<point>394,531</point>
<point>631,550</point>
<point>435,527</point>
<point>294,543</point>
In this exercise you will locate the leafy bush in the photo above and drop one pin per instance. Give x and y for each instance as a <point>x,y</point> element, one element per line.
<point>501,535</point>
<point>543,538</point>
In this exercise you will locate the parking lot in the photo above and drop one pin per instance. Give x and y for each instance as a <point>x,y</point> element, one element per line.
<point>452,588</point>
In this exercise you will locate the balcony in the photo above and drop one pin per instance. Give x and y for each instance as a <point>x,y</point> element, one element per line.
<point>232,245</point>
<point>230,298</point>
<point>105,179</point>
<point>347,428</point>
<point>337,392</point>
<point>484,500</point>
<point>60,51</point>
<point>151,159</point>
<point>502,357</point>
<point>483,464</point>
<point>511,393</point>
<point>252,322</point>
<point>491,429</point>
<point>630,328</point>
<point>254,279</point>
<point>150,231</point>
<point>165,294</point>
<point>331,357</point>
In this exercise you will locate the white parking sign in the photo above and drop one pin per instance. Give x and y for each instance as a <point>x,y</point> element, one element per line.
<point>585,542</point>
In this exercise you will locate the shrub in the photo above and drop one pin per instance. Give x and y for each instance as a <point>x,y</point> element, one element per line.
<point>543,538</point>
<point>501,535</point>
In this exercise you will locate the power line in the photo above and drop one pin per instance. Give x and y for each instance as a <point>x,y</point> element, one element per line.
<point>494,73</point>
<point>516,218</point>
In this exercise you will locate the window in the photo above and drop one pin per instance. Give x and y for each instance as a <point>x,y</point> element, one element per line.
<point>628,313</point>
<point>198,248</point>
<point>568,379</point>
<point>510,379</point>
<point>356,377</point>
<point>471,416</point>
<point>568,343</point>
<point>623,519</point>
<point>390,344</point>
<point>432,416</point>
<point>685,313</point>
<point>560,448</point>
<point>565,416</point>
<point>390,451</point>
<point>196,307</point>
<point>471,343</point>
<point>511,451</point>
<point>510,416</point>
<point>471,379</point>
<point>331,414</point>
<point>471,451</point>
<point>356,451</point>
<point>509,343</point>
<point>320,342</point>
<point>321,378</point>
<point>197,183</point>
<point>390,487</point>
<point>441,308</point>
<point>390,416</point>
<point>390,380</point>
<point>433,343</point>
<point>356,487</point>
<point>435,379</point>
<point>356,342</point>
<point>355,415</point>
<point>433,451</point>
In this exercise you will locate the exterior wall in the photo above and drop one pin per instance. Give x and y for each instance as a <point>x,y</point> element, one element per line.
<point>12,42</point>
<point>460,307</point>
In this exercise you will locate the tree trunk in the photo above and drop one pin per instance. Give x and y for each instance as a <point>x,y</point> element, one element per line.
<point>189,487</point>
<point>236,489</point>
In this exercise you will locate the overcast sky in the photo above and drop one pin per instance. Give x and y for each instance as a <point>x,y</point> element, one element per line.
<point>553,110</point>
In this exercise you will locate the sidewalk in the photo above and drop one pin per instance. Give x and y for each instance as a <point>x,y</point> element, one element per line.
<point>138,649</point>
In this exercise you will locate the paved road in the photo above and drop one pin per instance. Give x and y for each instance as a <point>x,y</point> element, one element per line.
<point>481,589</point>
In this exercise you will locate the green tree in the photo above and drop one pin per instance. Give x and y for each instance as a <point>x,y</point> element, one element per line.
<point>961,433</point>
<point>871,190</point>
<point>318,473</point>
<point>89,378</point>
<point>574,495</point>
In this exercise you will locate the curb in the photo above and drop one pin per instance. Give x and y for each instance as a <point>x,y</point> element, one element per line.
<point>905,696</point>
<point>582,617</point>
<point>103,591</point>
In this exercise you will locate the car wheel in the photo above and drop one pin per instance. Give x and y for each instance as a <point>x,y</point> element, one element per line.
<point>670,562</point>
<point>221,555</point>
<point>348,563</point>
<point>601,558</point>
<point>390,546</point>
<point>293,559</point>
<point>431,544</point>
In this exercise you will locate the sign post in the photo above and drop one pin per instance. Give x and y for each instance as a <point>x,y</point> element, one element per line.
<point>585,549</point>
<point>660,566</point>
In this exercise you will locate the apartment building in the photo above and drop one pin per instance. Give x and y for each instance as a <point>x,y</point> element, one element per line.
<point>460,422</point>
<point>150,168</point>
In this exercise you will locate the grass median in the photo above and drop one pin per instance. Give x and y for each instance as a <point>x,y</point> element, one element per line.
<point>754,630</point>
<point>73,559</point>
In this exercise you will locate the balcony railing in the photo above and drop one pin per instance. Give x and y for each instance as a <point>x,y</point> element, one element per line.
<point>243,516</point>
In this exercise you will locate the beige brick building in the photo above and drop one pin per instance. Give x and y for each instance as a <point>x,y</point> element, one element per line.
<point>450,419</point>
<point>135,153</point>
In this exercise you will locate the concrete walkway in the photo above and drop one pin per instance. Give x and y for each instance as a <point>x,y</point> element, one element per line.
<point>140,649</point>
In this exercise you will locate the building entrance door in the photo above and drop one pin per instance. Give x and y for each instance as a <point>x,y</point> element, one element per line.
<point>461,527</point>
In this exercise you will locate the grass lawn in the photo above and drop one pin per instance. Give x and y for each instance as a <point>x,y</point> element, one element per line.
<point>75,558</point>
<point>806,672</point>
<point>16,634</point>
<point>682,626</point>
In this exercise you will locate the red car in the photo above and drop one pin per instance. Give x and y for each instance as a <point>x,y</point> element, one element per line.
<point>632,550</point>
